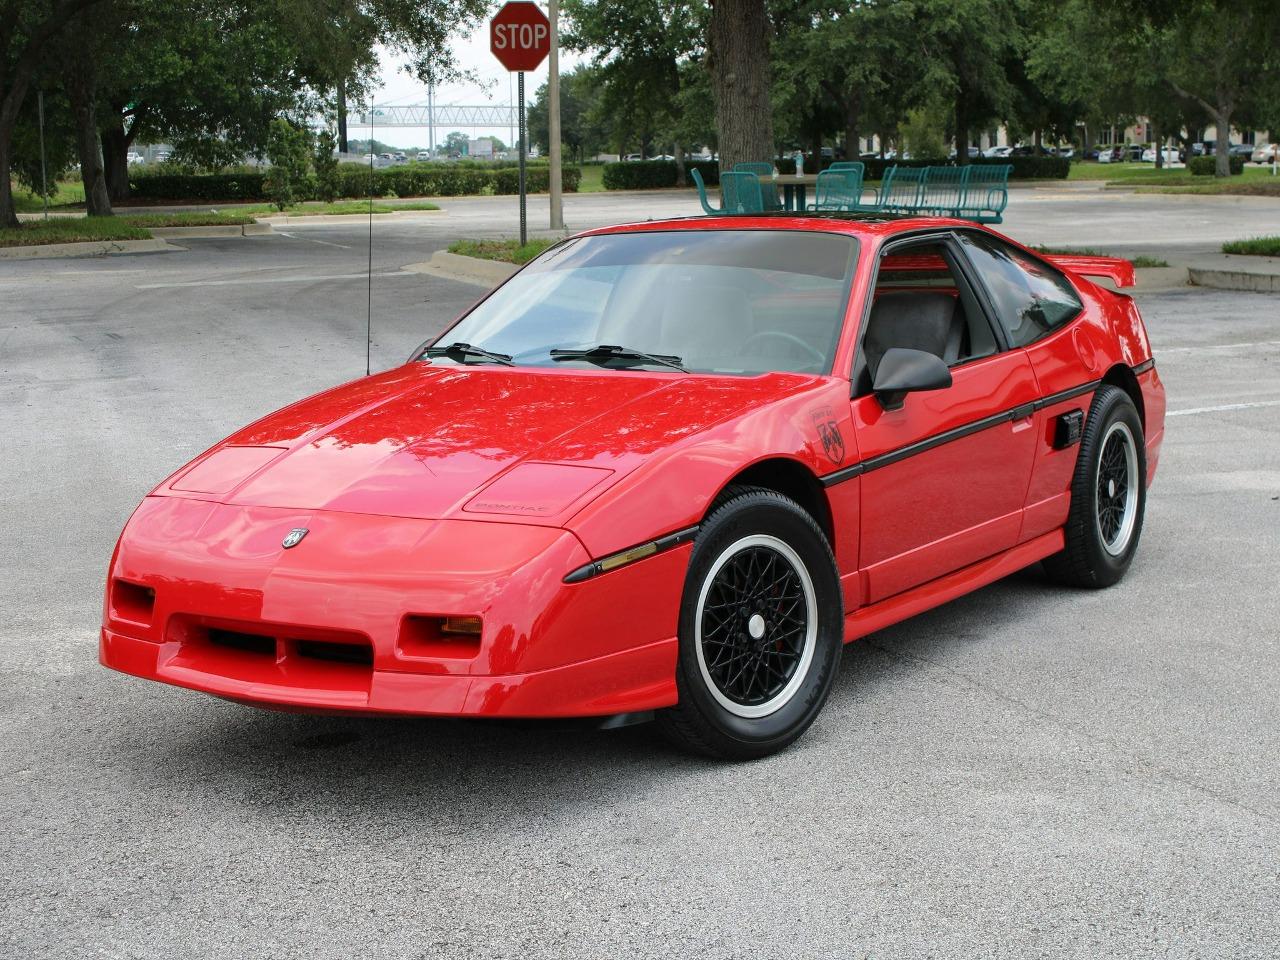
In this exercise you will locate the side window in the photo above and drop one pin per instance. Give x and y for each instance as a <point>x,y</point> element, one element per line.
<point>1030,297</point>
<point>920,303</point>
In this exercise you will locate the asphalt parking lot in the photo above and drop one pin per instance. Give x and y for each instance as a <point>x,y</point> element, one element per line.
<point>1026,772</point>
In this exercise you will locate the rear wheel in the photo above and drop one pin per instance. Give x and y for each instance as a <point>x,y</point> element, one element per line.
<point>761,629</point>
<point>1108,495</point>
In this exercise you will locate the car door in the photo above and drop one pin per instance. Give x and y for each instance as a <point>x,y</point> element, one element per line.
<point>944,478</point>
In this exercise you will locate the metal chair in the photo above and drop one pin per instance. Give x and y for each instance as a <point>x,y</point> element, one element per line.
<point>987,194</point>
<point>768,189</point>
<point>702,193</point>
<point>838,189</point>
<point>903,189</point>
<point>740,193</point>
<point>945,191</point>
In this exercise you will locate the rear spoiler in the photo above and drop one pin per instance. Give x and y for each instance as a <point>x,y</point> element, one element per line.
<point>1118,271</point>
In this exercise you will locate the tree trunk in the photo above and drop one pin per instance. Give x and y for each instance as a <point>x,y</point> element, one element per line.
<point>81,92</point>
<point>962,130</point>
<point>115,160</point>
<point>8,218</point>
<point>852,136</point>
<point>342,116</point>
<point>1084,141</point>
<point>1155,137</point>
<point>1222,118</point>
<point>738,47</point>
<point>677,151</point>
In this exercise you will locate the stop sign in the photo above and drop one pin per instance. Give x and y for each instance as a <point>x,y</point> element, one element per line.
<point>520,35</point>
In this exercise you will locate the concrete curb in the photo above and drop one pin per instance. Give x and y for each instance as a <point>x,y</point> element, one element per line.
<point>280,221</point>
<point>213,230</point>
<point>1235,280</point>
<point>453,266</point>
<point>86,248</point>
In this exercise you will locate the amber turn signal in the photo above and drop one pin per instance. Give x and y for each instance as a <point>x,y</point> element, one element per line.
<point>465,625</point>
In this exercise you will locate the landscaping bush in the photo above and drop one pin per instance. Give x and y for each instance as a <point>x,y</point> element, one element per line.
<point>1208,166</point>
<point>204,186</point>
<point>325,162</point>
<point>648,174</point>
<point>289,149</point>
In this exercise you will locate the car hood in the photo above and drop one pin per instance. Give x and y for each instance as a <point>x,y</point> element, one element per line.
<point>476,442</point>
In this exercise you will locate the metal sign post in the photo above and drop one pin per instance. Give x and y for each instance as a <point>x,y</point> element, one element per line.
<point>520,37</point>
<point>524,220</point>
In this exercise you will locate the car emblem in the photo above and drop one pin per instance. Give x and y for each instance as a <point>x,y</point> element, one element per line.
<point>293,537</point>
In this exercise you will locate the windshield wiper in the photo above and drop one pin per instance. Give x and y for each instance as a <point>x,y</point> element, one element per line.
<point>602,353</point>
<point>459,351</point>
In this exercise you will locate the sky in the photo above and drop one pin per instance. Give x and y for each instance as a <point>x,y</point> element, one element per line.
<point>495,86</point>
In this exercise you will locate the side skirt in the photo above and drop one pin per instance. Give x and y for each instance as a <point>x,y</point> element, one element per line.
<point>887,612</point>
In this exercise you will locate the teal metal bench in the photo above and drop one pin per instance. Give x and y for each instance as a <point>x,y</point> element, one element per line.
<point>977,192</point>
<point>986,194</point>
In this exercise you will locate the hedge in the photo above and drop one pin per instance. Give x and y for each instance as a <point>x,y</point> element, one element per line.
<point>646,174</point>
<point>424,180</point>
<point>643,174</point>
<point>1208,166</point>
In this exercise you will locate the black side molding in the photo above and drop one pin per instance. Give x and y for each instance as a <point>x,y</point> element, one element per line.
<point>630,555</point>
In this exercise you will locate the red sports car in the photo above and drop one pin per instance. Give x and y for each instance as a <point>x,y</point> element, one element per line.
<point>667,469</point>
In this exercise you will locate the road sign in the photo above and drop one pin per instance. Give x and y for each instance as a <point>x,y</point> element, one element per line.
<point>520,36</point>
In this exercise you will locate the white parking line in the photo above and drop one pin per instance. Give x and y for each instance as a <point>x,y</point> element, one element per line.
<point>292,236</point>
<point>1219,346</point>
<point>1224,407</point>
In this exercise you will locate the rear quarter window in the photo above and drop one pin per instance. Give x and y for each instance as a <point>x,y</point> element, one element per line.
<point>1030,298</point>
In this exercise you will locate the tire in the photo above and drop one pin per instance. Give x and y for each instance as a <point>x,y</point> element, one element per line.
<point>761,629</point>
<point>1108,496</point>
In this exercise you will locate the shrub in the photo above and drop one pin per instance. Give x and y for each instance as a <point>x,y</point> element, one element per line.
<point>288,149</point>
<point>648,174</point>
<point>1208,166</point>
<point>325,162</point>
<point>204,187</point>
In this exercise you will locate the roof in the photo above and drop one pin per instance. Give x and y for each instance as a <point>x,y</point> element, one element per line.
<point>857,224</point>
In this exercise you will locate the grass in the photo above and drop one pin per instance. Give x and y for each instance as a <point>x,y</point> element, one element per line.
<point>67,193</point>
<point>508,251</point>
<point>210,219</point>
<point>1254,247</point>
<point>71,230</point>
<point>1139,261</point>
<point>592,179</point>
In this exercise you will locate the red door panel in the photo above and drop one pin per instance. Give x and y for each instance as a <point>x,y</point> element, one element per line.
<point>941,487</point>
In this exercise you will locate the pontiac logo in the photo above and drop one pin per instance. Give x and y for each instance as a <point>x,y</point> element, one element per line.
<point>293,537</point>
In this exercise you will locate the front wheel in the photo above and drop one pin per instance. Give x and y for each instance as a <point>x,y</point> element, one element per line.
<point>1108,495</point>
<point>761,629</point>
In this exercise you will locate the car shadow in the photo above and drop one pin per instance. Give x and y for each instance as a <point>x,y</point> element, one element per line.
<point>273,761</point>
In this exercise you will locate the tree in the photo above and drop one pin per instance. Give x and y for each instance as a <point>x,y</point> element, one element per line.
<point>26,29</point>
<point>738,59</point>
<point>289,150</point>
<point>584,126</point>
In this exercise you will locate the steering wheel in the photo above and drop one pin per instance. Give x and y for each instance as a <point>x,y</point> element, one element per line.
<point>790,338</point>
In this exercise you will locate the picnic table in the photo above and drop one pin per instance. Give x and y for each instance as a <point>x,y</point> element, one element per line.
<point>794,189</point>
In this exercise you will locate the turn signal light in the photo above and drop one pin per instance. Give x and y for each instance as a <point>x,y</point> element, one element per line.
<point>468,626</point>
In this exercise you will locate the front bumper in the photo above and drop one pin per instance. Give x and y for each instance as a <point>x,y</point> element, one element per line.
<point>203,595</point>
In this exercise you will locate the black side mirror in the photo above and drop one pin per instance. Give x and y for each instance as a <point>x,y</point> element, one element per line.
<point>902,371</point>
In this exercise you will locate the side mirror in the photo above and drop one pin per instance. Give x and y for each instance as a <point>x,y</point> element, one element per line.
<point>904,371</point>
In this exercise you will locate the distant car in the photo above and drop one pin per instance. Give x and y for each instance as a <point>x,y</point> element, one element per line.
<point>664,467</point>
<point>1240,150</point>
<point>1067,153</point>
<point>632,157</point>
<point>1170,155</point>
<point>1265,153</point>
<point>1108,154</point>
<point>400,158</point>
<point>997,151</point>
<point>133,158</point>
<point>974,153</point>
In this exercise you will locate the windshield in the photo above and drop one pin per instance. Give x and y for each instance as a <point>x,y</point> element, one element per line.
<point>719,301</point>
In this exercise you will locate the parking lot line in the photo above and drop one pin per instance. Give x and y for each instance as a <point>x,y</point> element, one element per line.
<point>1223,408</point>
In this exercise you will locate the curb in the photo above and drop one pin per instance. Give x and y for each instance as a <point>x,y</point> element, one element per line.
<point>1234,280</point>
<point>85,248</point>
<point>213,230</point>
<point>453,266</point>
<point>303,219</point>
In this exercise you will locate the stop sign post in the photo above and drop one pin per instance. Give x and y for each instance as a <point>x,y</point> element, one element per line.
<point>520,37</point>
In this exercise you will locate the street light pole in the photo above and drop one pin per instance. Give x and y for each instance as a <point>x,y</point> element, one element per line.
<point>553,117</point>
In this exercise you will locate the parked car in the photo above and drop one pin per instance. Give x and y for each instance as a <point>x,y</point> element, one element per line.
<point>1240,150</point>
<point>997,151</point>
<point>974,153</point>
<point>400,158</point>
<point>1171,155</point>
<point>1110,153</point>
<point>632,157</point>
<point>1067,153</point>
<point>133,158</point>
<point>1265,153</point>
<point>576,503</point>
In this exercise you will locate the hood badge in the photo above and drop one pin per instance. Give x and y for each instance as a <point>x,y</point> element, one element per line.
<point>293,537</point>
